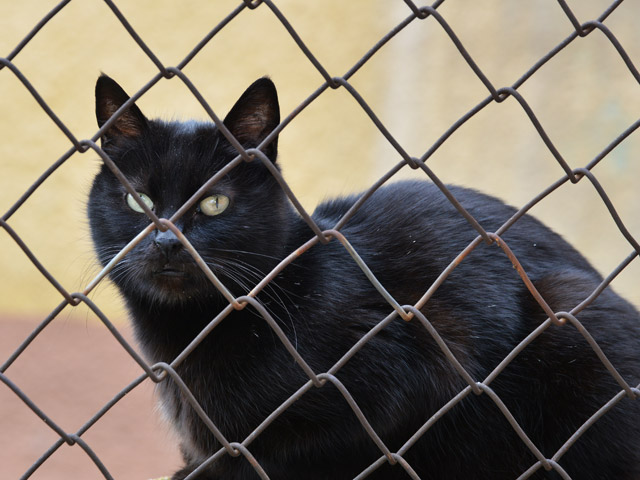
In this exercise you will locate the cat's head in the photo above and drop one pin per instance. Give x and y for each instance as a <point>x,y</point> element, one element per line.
<point>237,226</point>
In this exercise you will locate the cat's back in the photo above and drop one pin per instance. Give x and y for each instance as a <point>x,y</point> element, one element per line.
<point>416,219</point>
<point>408,233</point>
<point>419,205</point>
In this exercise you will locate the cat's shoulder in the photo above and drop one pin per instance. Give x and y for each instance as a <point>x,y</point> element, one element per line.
<point>408,198</point>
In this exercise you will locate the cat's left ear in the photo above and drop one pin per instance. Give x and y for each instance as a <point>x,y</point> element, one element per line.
<point>255,115</point>
<point>109,98</point>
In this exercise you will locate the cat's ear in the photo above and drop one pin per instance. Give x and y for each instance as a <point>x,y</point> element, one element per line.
<point>109,98</point>
<point>255,115</point>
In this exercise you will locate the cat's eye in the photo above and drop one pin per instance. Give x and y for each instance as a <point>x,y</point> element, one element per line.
<point>133,205</point>
<point>214,205</point>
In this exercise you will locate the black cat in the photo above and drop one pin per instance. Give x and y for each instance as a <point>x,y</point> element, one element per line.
<point>407,233</point>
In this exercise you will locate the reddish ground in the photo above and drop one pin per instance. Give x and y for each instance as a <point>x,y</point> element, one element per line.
<point>71,371</point>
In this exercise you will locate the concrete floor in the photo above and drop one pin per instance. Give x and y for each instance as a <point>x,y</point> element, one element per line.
<point>71,370</point>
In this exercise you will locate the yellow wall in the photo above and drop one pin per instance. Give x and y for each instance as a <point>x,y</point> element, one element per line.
<point>418,85</point>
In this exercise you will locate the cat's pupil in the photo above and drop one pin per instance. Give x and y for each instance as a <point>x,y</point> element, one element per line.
<point>214,205</point>
<point>211,206</point>
<point>133,205</point>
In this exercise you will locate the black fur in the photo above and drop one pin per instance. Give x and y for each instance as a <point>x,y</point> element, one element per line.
<point>407,233</point>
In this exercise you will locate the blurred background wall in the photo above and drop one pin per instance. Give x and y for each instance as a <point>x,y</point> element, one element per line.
<point>417,84</point>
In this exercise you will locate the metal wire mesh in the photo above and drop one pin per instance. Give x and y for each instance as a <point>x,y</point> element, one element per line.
<point>164,372</point>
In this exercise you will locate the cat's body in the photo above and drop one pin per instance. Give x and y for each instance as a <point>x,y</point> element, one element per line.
<point>407,234</point>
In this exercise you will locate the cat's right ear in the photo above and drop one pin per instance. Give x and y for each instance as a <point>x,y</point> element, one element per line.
<point>109,98</point>
<point>255,115</point>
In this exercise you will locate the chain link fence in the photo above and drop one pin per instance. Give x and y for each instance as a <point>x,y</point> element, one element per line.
<point>166,372</point>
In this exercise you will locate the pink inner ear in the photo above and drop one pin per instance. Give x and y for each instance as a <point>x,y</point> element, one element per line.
<point>251,127</point>
<point>127,124</point>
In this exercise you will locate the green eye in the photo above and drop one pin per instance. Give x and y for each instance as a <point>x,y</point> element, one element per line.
<point>133,205</point>
<point>214,205</point>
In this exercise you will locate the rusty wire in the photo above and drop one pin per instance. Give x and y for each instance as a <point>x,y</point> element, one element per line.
<point>166,372</point>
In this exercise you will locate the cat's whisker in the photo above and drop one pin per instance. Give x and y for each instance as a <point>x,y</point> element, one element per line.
<point>238,270</point>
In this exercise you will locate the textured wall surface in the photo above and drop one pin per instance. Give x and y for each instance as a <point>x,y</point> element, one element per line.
<point>417,84</point>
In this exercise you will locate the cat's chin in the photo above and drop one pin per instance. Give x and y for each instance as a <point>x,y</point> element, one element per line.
<point>171,291</point>
<point>170,273</point>
<point>171,286</point>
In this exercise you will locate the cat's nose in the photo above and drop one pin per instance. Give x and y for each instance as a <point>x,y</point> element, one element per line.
<point>167,242</point>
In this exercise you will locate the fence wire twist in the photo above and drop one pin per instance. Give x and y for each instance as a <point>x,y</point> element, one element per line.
<point>162,372</point>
